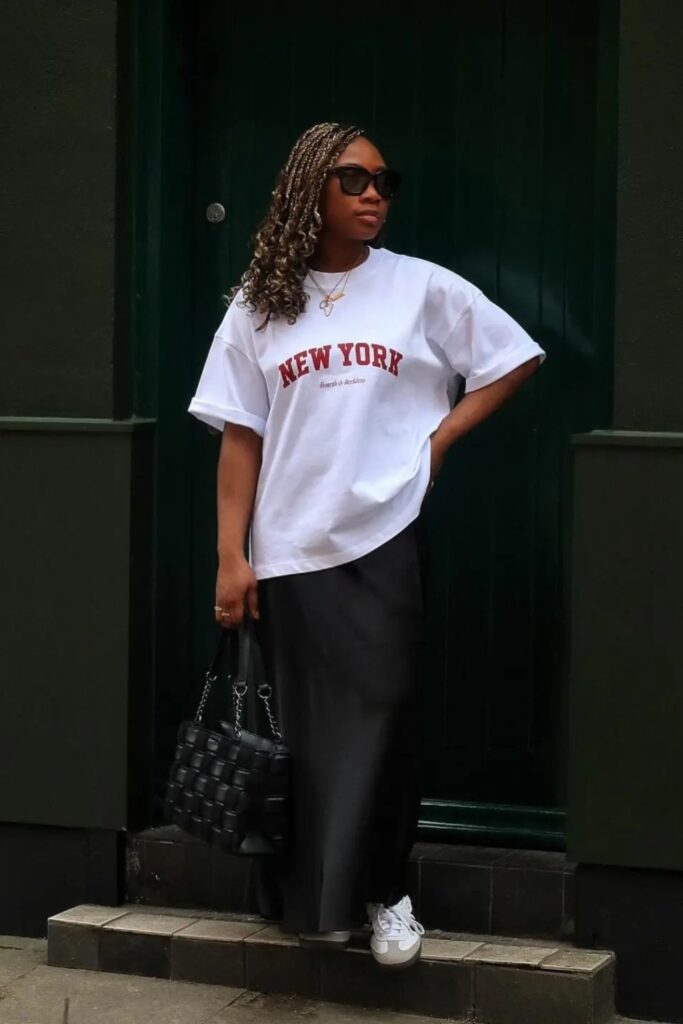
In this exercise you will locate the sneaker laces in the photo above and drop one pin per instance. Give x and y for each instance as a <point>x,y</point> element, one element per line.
<point>395,921</point>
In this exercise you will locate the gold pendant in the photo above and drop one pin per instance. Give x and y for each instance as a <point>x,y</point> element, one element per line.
<point>326,303</point>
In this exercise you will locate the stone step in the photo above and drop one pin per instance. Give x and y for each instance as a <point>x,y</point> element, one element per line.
<point>488,890</point>
<point>483,978</point>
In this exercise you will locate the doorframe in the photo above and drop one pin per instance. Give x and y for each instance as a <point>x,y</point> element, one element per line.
<point>162,241</point>
<point>160,177</point>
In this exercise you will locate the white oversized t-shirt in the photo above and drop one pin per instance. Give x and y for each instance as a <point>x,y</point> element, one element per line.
<point>346,403</point>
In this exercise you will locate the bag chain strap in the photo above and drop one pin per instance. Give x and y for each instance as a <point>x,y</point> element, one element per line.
<point>261,691</point>
<point>210,680</point>
<point>264,690</point>
<point>239,689</point>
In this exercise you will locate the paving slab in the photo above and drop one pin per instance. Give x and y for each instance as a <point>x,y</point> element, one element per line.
<point>38,997</point>
<point>496,953</point>
<point>447,949</point>
<point>257,1007</point>
<point>148,924</point>
<point>218,931</point>
<point>575,960</point>
<point>18,956</point>
<point>89,914</point>
<point>99,998</point>
<point>32,993</point>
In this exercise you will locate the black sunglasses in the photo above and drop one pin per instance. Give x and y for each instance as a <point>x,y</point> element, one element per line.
<point>355,180</point>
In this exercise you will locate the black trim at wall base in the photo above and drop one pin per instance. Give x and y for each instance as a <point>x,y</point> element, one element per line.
<point>635,912</point>
<point>45,870</point>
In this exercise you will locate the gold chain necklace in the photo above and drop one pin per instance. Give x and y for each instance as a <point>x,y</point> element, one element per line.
<point>329,298</point>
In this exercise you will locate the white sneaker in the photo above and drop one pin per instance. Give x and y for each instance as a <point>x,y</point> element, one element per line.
<point>334,940</point>
<point>396,935</point>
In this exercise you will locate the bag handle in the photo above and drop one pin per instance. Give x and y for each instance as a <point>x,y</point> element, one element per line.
<point>245,645</point>
<point>243,651</point>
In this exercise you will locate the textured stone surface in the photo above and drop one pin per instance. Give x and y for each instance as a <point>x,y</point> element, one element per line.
<point>447,949</point>
<point>273,934</point>
<point>511,953</point>
<point>257,1007</point>
<point>89,914</point>
<point>72,945</point>
<point>219,930</point>
<point>604,994</point>
<point>208,961</point>
<point>148,924</point>
<point>247,954</point>
<point>18,956</point>
<point>437,988</point>
<point>576,960</point>
<point>271,966</point>
<point>98,998</point>
<point>348,984</point>
<point>514,995</point>
<point>135,953</point>
<point>39,998</point>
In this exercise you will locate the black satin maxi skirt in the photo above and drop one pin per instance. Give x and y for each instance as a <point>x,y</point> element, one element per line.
<point>344,648</point>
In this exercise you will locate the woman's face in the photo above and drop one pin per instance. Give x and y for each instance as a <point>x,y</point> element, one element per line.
<point>354,217</point>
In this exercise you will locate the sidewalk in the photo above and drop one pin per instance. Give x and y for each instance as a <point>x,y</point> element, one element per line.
<point>33,993</point>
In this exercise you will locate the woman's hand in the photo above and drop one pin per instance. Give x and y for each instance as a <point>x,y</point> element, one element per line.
<point>236,587</point>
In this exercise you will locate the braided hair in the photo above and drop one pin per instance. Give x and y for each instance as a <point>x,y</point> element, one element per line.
<point>286,237</point>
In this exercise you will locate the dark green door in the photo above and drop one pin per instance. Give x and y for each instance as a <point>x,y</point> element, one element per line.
<point>494,111</point>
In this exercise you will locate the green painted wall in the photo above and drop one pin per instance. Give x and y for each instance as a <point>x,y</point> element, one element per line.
<point>648,372</point>
<point>76,520</point>
<point>625,765</point>
<point>61,336</point>
<point>624,758</point>
<point>75,592</point>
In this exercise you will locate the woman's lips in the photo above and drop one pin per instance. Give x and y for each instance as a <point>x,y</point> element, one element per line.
<point>369,217</point>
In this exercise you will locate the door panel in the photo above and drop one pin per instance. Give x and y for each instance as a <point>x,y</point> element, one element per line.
<point>490,111</point>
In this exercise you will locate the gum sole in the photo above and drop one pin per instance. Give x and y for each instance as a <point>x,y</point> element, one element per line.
<point>399,966</point>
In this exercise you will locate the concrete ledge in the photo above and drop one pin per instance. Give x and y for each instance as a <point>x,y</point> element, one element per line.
<point>74,936</point>
<point>211,951</point>
<point>507,981</point>
<point>505,994</point>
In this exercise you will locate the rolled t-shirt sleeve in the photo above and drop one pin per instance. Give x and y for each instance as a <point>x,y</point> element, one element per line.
<point>480,340</point>
<point>231,389</point>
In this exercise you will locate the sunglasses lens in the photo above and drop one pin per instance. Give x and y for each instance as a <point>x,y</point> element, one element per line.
<point>353,180</point>
<point>387,183</point>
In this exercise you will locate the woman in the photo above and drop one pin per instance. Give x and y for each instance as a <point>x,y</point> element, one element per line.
<point>331,377</point>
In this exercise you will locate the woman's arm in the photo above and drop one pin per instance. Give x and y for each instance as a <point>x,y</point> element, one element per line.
<point>239,464</point>
<point>475,407</point>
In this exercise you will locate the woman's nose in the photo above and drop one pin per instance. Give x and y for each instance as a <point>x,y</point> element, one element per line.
<point>372,194</point>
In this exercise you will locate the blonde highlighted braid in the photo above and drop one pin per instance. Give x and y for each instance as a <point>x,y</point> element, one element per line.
<point>286,238</point>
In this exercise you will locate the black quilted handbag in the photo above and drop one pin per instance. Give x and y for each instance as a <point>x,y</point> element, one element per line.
<point>228,786</point>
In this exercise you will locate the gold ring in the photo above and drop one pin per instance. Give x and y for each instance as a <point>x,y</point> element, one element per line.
<point>217,608</point>
<point>225,615</point>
